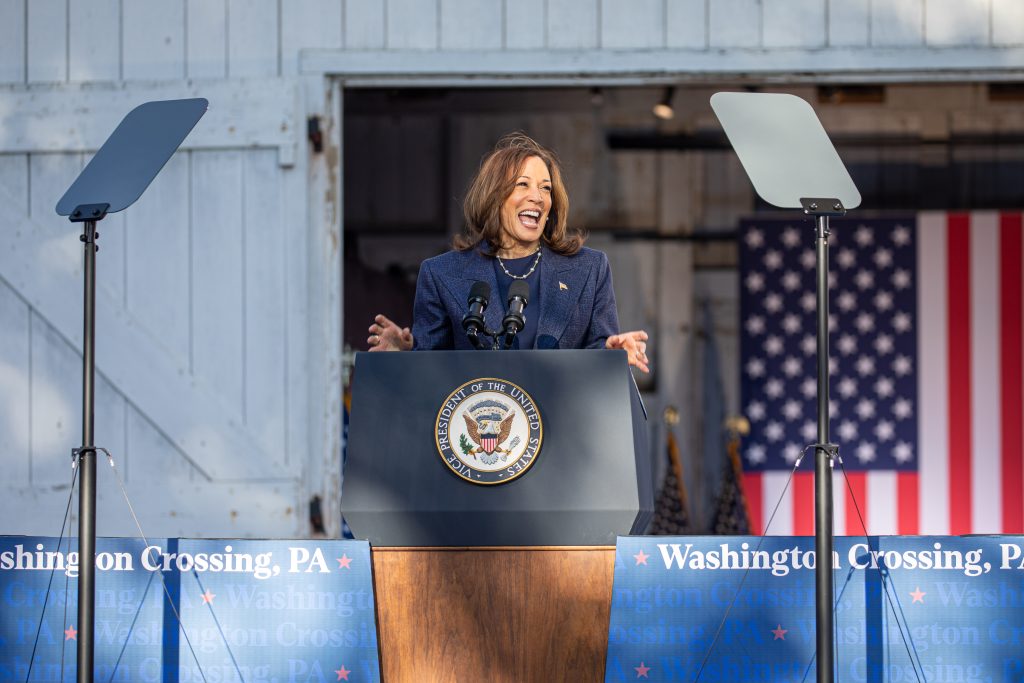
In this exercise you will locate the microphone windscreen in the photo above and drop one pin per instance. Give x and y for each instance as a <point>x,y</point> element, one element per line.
<point>521,290</point>
<point>480,290</point>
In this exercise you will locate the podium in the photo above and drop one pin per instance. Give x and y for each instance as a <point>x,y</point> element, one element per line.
<point>589,482</point>
<point>508,576</point>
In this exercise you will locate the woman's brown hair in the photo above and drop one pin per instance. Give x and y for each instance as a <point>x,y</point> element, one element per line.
<point>495,181</point>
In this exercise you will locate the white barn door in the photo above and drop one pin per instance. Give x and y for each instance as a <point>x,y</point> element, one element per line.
<point>215,379</point>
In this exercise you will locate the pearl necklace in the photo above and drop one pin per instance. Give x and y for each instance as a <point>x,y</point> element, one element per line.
<point>524,275</point>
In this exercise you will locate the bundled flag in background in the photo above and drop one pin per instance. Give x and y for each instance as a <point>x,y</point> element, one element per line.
<point>724,481</point>
<point>671,512</point>
<point>732,516</point>
<point>926,371</point>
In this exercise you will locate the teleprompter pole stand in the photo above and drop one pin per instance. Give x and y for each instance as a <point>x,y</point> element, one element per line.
<point>113,180</point>
<point>793,164</point>
<point>88,215</point>
<point>821,210</point>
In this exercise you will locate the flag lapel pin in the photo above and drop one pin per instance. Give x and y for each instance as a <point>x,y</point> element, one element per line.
<point>562,285</point>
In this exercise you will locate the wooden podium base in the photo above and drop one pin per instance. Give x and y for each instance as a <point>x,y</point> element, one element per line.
<point>493,614</point>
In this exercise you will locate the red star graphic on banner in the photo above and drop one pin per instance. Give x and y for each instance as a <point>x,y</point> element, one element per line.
<point>779,632</point>
<point>208,597</point>
<point>918,595</point>
<point>641,671</point>
<point>344,561</point>
<point>70,633</point>
<point>342,672</point>
<point>641,558</point>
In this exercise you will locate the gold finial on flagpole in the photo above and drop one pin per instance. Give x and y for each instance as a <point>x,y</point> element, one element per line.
<point>737,425</point>
<point>671,416</point>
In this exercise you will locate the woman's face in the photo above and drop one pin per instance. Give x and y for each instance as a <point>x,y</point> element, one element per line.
<point>525,211</point>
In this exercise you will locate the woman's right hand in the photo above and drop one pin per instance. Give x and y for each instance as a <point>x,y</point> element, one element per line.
<point>387,336</point>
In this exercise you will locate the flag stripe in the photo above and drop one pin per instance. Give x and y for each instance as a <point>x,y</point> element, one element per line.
<point>1011,341</point>
<point>881,514</point>
<point>932,382</point>
<point>838,502</point>
<point>858,485</point>
<point>752,490</point>
<point>774,483</point>
<point>959,372</point>
<point>803,500</point>
<point>986,493</point>
<point>907,491</point>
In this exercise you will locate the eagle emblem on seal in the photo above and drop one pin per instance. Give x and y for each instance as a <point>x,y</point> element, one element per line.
<point>489,424</point>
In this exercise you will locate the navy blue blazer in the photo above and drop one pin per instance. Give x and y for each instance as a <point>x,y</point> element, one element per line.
<point>576,307</point>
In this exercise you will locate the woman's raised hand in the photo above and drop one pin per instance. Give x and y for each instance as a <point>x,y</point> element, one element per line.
<point>635,345</point>
<point>387,336</point>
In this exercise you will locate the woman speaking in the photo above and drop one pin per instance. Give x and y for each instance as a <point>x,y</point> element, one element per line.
<point>516,231</point>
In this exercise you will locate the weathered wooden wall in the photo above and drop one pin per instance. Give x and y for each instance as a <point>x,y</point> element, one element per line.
<point>218,302</point>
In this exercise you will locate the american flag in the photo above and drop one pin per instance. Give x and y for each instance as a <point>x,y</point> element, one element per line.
<point>926,380</point>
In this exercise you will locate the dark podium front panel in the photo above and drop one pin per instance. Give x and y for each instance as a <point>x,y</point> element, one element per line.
<point>589,482</point>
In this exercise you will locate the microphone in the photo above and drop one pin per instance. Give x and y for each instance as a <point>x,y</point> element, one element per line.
<point>473,321</point>
<point>514,321</point>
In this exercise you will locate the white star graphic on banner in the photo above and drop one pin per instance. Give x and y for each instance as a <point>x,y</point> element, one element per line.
<point>883,259</point>
<point>808,345</point>
<point>755,238</point>
<point>847,430</point>
<point>773,345</point>
<point>754,282</point>
<point>883,300</point>
<point>900,279</point>
<point>846,258</point>
<point>883,344</point>
<point>901,236</point>
<point>902,366</point>
<point>847,387</point>
<point>902,409</point>
<point>865,409</point>
<point>792,410</point>
<point>756,454</point>
<point>865,366</point>
<point>902,452</point>
<point>865,322</point>
<point>864,279</point>
<point>847,344</point>
<point>864,236</point>
<point>884,430</point>
<point>791,237</point>
<point>866,452</point>
<point>884,387</point>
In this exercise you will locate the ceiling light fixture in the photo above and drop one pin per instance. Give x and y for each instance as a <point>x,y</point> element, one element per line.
<point>663,109</point>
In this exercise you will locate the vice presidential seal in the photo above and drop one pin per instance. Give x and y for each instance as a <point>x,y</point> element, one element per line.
<point>488,431</point>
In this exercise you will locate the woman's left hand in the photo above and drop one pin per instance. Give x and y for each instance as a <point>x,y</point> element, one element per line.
<point>635,345</point>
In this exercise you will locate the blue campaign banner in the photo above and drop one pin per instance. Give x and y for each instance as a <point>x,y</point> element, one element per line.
<point>253,611</point>
<point>937,609</point>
